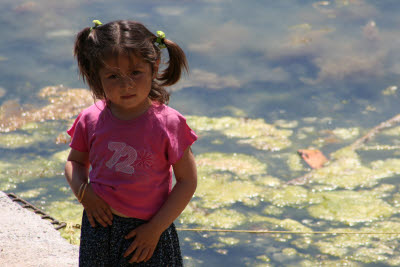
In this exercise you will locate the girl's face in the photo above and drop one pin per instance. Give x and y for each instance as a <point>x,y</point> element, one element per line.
<point>126,81</point>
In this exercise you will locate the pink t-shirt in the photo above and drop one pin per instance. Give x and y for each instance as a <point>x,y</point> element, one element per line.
<point>131,159</point>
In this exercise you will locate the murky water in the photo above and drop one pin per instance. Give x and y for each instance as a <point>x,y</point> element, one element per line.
<point>267,78</point>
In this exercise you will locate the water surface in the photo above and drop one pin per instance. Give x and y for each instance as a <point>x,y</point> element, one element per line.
<point>266,78</point>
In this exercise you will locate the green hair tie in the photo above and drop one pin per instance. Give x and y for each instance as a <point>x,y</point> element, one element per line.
<point>160,39</point>
<point>97,23</point>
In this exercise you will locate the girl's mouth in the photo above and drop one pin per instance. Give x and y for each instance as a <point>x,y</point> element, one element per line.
<point>127,96</point>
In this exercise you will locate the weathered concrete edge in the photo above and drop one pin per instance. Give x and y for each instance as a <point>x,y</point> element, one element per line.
<point>28,240</point>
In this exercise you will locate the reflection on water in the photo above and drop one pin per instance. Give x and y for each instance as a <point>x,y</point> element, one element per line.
<point>267,78</point>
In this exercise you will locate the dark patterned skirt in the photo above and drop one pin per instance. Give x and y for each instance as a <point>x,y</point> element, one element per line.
<point>105,246</point>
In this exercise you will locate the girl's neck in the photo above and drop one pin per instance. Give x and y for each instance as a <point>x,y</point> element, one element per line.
<point>129,114</point>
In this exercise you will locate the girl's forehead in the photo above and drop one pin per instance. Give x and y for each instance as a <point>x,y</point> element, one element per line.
<point>123,60</point>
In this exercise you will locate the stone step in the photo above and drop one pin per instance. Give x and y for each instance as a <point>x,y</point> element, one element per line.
<point>28,240</point>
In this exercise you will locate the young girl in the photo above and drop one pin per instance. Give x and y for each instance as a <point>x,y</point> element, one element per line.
<point>129,140</point>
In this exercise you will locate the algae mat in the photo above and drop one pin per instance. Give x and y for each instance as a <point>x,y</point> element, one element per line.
<point>244,165</point>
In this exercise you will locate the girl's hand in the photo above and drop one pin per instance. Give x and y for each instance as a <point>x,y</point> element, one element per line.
<point>96,208</point>
<point>76,173</point>
<point>144,244</point>
<point>148,235</point>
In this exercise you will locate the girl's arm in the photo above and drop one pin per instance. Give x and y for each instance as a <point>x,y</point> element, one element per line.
<point>147,235</point>
<point>77,173</point>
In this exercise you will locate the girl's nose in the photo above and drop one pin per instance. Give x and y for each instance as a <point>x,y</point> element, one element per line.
<point>126,82</point>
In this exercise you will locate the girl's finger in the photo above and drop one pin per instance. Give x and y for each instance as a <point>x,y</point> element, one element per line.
<point>104,217</point>
<point>131,234</point>
<point>109,214</point>
<point>149,255</point>
<point>100,220</point>
<point>136,255</point>
<point>131,249</point>
<point>91,220</point>
<point>144,254</point>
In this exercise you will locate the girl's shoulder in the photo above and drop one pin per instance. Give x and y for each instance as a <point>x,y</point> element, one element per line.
<point>169,120</point>
<point>166,113</point>
<point>87,118</point>
<point>93,111</point>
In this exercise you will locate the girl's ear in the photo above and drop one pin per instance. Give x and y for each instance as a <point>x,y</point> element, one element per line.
<point>155,68</point>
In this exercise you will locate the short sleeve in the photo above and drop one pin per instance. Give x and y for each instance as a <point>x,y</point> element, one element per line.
<point>78,133</point>
<point>180,137</point>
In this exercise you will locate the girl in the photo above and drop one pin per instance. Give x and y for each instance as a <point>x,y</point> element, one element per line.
<point>129,139</point>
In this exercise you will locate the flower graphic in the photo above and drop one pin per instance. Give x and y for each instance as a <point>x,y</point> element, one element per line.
<point>144,159</point>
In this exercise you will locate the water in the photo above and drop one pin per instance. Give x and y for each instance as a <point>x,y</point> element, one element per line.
<point>322,73</point>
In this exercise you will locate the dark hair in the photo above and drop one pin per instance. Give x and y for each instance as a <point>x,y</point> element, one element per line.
<point>92,46</point>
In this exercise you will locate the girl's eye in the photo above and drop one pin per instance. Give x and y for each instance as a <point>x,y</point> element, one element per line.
<point>136,72</point>
<point>112,76</point>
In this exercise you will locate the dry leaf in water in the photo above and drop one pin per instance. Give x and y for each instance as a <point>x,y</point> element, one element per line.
<point>314,158</point>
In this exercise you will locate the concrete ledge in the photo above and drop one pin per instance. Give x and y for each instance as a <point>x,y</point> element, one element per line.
<point>28,240</point>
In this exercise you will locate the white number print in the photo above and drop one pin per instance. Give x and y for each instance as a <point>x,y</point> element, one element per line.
<point>122,150</point>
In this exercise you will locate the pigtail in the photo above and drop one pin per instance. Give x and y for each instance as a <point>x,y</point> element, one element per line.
<point>80,55</point>
<point>176,63</point>
<point>85,52</point>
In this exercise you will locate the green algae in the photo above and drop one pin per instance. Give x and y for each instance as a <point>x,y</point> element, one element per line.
<point>263,258</point>
<point>70,212</point>
<point>224,179</point>
<point>197,246</point>
<point>286,124</point>
<point>271,223</point>
<point>31,193</point>
<point>12,140</point>
<point>236,191</point>
<point>235,111</point>
<point>192,262</point>
<point>346,133</point>
<point>394,260</point>
<point>303,243</point>
<point>273,210</point>
<point>26,169</point>
<point>383,190</point>
<point>219,191</point>
<point>220,218</point>
<point>217,142</point>
<point>230,241</point>
<point>294,163</point>
<point>289,251</point>
<point>254,132</point>
<point>267,181</point>
<point>390,90</point>
<point>13,116</point>
<point>350,207</point>
<point>61,156</point>
<point>394,131</point>
<point>240,165</point>
<point>369,255</point>
<point>288,224</point>
<point>347,171</point>
<point>310,119</point>
<point>395,200</point>
<point>30,168</point>
<point>31,134</point>
<point>328,263</point>
<point>381,148</point>
<point>364,247</point>
<point>287,195</point>
<point>307,130</point>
